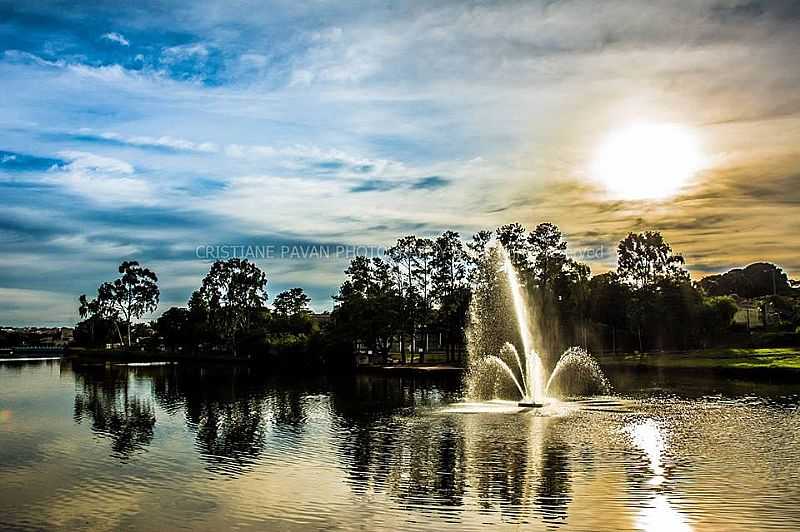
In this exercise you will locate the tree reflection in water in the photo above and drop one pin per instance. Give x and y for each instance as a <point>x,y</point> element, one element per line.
<point>224,407</point>
<point>103,396</point>
<point>429,462</point>
<point>387,435</point>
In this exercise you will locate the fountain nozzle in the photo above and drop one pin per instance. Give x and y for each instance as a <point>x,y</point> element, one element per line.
<point>525,404</point>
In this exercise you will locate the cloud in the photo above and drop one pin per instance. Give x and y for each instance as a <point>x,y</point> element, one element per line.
<point>314,159</point>
<point>162,142</point>
<point>335,123</point>
<point>175,54</point>
<point>101,179</point>
<point>85,161</point>
<point>24,306</point>
<point>116,37</point>
<point>424,183</point>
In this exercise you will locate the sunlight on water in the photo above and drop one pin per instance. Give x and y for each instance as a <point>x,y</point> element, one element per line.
<point>648,437</point>
<point>106,447</point>
<point>660,516</point>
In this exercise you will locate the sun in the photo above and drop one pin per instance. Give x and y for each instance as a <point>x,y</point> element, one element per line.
<point>647,161</point>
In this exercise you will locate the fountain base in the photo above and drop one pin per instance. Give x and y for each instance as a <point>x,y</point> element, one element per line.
<point>529,405</point>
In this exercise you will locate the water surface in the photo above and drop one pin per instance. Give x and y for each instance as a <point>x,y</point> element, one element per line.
<point>109,447</point>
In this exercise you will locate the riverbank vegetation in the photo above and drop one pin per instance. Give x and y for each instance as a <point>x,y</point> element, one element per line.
<point>765,358</point>
<point>413,304</point>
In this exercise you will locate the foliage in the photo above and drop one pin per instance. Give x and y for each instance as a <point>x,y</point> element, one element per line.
<point>125,299</point>
<point>756,280</point>
<point>435,285</point>
<point>231,297</point>
<point>645,259</point>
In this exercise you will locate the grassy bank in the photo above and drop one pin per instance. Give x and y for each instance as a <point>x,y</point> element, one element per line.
<point>778,359</point>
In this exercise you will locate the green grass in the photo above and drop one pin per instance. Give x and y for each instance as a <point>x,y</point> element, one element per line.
<point>781,358</point>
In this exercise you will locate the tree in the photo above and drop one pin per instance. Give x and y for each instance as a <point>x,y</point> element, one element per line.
<point>645,259</point>
<point>88,311</point>
<point>549,249</point>
<point>126,298</point>
<point>756,280</point>
<point>175,327</point>
<point>403,258</point>
<point>232,294</point>
<point>366,305</point>
<point>292,302</point>
<point>449,273</point>
<point>292,315</point>
<point>714,317</point>
<point>515,242</point>
<point>660,283</point>
<point>608,303</point>
<point>423,258</point>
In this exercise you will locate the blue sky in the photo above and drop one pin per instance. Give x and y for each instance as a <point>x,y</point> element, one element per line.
<point>144,132</point>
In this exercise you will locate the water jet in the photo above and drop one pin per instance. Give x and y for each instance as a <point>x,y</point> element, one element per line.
<point>492,375</point>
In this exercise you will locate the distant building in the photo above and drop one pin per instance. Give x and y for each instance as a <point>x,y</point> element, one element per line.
<point>749,313</point>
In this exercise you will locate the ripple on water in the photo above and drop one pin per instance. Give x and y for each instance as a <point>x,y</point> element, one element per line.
<point>232,450</point>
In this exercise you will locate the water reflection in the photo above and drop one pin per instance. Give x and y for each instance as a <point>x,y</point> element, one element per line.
<point>429,463</point>
<point>247,450</point>
<point>104,397</point>
<point>658,514</point>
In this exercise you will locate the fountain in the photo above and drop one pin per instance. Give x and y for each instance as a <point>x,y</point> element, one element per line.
<point>576,372</point>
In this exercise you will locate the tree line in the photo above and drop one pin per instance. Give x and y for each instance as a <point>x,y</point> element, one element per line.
<point>422,288</point>
<point>393,304</point>
<point>228,314</point>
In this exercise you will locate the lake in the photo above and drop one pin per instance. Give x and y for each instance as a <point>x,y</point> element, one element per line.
<point>182,446</point>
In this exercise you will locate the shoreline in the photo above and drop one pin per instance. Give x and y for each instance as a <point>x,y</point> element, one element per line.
<point>779,363</point>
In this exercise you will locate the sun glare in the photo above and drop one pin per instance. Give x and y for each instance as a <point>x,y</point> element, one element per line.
<point>647,161</point>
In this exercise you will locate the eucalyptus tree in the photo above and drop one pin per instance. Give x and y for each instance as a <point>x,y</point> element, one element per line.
<point>645,259</point>
<point>423,259</point>
<point>232,295</point>
<point>292,315</point>
<point>646,262</point>
<point>125,299</point>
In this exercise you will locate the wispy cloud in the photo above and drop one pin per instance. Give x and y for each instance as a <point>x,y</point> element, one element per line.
<point>116,37</point>
<point>335,122</point>
<point>161,142</point>
<point>101,179</point>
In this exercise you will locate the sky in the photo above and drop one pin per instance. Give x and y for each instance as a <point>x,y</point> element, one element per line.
<point>161,130</point>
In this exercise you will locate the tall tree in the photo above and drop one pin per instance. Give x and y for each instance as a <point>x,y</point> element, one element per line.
<point>125,299</point>
<point>292,302</point>
<point>423,259</point>
<point>365,308</point>
<point>403,257</point>
<point>549,249</point>
<point>514,240</point>
<point>449,273</point>
<point>646,259</point>
<point>232,294</point>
